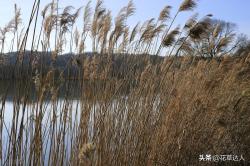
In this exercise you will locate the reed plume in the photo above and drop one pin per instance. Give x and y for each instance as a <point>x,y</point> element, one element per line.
<point>18,19</point>
<point>105,28</point>
<point>147,30</point>
<point>130,9</point>
<point>191,22</point>
<point>86,25</point>
<point>217,30</point>
<point>87,18</point>
<point>200,28</point>
<point>225,41</point>
<point>98,13</point>
<point>46,8</point>
<point>165,14</point>
<point>134,32</point>
<point>76,38</point>
<point>187,5</point>
<point>66,19</point>
<point>171,37</point>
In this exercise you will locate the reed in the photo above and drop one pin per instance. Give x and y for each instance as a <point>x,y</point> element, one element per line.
<point>124,104</point>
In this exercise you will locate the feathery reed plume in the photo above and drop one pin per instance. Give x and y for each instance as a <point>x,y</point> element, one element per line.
<point>74,17</point>
<point>123,45</point>
<point>191,21</point>
<point>49,23</point>
<point>14,24</point>
<point>147,33</point>
<point>87,18</point>
<point>217,30</point>
<point>157,32</point>
<point>187,5</point>
<point>134,32</point>
<point>126,11</point>
<point>18,19</point>
<point>117,32</point>
<point>225,41</point>
<point>45,9</point>
<point>76,14</point>
<point>186,46</point>
<point>159,29</point>
<point>86,25</point>
<point>76,38</point>
<point>201,27</point>
<point>163,17</point>
<point>130,9</point>
<point>67,10</point>
<point>66,19</point>
<point>169,39</point>
<point>147,30</point>
<point>165,14</point>
<point>99,12</point>
<point>3,32</point>
<point>197,30</point>
<point>120,24</point>
<point>105,28</point>
<point>11,26</point>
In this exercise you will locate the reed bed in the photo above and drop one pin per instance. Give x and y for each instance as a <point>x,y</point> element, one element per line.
<point>124,104</point>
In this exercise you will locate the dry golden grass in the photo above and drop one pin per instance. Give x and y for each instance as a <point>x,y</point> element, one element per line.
<point>131,108</point>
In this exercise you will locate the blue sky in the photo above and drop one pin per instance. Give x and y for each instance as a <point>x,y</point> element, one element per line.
<point>236,11</point>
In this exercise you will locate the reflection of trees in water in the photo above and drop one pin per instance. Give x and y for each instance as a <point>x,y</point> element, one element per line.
<point>18,89</point>
<point>70,89</point>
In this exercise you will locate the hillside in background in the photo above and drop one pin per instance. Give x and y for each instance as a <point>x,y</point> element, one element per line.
<point>71,64</point>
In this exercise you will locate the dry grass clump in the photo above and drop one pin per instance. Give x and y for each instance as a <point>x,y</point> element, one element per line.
<point>207,116</point>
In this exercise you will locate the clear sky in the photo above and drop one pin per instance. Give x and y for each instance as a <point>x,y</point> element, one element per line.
<point>236,11</point>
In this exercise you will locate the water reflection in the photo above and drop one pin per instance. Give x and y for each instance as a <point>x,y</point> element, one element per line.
<point>12,90</point>
<point>22,108</point>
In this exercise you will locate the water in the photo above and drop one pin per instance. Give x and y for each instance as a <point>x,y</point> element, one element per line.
<point>21,109</point>
<point>59,120</point>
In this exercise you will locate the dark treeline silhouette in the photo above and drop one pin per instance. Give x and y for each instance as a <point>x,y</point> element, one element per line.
<point>70,64</point>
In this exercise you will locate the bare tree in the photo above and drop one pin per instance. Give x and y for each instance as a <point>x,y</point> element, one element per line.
<point>219,39</point>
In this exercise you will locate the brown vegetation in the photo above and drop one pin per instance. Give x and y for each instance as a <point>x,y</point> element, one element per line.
<point>133,107</point>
